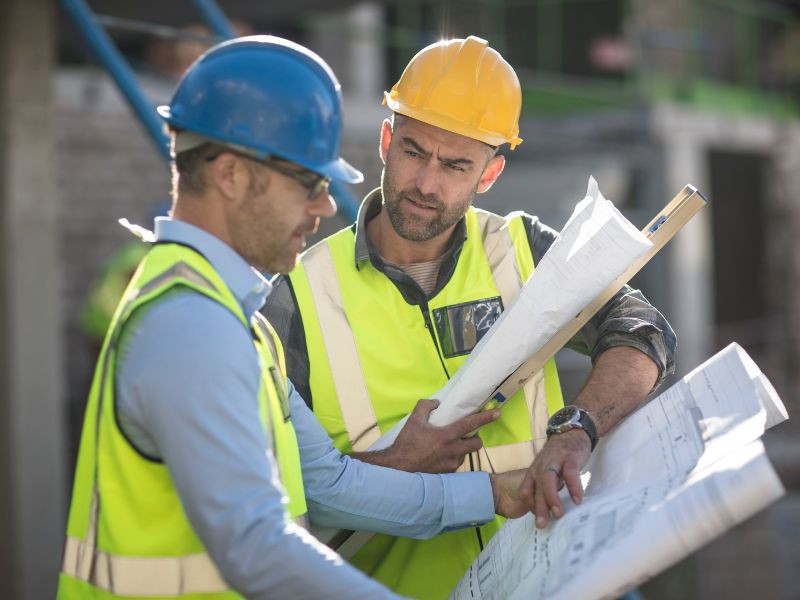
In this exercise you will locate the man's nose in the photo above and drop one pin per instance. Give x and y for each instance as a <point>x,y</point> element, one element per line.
<point>428,179</point>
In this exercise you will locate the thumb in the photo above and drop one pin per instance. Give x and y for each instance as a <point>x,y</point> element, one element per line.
<point>423,409</point>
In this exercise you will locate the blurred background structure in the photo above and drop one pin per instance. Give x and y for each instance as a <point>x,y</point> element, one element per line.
<point>646,95</point>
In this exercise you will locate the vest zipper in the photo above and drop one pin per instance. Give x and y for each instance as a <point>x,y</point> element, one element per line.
<point>426,316</point>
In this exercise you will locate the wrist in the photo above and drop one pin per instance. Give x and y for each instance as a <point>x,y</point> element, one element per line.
<point>573,417</point>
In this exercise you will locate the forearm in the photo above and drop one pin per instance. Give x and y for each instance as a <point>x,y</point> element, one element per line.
<point>347,493</point>
<point>620,380</point>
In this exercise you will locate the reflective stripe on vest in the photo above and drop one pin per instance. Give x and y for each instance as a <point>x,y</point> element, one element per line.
<point>173,571</point>
<point>509,263</point>
<point>141,575</point>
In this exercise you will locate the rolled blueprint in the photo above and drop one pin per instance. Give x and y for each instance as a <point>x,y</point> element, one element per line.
<point>596,245</point>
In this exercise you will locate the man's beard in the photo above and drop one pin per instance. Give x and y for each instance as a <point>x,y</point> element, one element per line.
<point>416,228</point>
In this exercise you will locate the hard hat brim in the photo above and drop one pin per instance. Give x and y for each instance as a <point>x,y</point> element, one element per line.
<point>450,124</point>
<point>338,170</point>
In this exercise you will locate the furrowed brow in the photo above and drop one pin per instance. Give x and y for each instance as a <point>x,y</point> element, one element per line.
<point>456,162</point>
<point>408,141</point>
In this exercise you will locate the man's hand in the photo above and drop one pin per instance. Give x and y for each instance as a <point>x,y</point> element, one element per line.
<point>621,378</point>
<point>505,489</point>
<point>425,448</point>
<point>558,464</point>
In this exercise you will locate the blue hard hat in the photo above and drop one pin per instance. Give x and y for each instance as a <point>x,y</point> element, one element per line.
<point>268,95</point>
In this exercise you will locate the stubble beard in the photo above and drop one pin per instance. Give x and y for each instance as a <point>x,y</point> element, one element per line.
<point>414,227</point>
<point>259,234</point>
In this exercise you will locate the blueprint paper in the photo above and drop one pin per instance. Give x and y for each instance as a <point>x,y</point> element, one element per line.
<point>678,472</point>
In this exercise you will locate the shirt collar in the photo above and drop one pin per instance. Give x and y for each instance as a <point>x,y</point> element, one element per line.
<point>370,207</point>
<point>249,286</point>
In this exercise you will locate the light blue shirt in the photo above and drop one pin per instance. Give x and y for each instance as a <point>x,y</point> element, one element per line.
<point>187,394</point>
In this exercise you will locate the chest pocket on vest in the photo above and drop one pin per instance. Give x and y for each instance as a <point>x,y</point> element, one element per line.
<point>461,326</point>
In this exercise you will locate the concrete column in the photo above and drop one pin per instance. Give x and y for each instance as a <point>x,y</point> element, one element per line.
<point>366,53</point>
<point>690,292</point>
<point>32,502</point>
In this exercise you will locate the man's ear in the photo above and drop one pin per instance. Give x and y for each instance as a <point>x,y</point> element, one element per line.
<point>229,174</point>
<point>491,172</point>
<point>386,139</point>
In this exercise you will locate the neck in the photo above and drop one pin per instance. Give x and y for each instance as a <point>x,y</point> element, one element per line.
<point>398,250</point>
<point>203,212</point>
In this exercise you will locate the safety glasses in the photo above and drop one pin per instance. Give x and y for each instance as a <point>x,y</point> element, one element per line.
<point>311,181</point>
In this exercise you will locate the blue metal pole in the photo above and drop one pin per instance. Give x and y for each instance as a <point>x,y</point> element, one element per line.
<point>107,53</point>
<point>215,18</point>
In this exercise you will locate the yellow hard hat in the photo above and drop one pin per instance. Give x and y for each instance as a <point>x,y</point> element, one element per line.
<point>462,86</point>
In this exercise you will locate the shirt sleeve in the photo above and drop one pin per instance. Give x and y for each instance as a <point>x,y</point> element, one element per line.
<point>349,494</point>
<point>628,319</point>
<point>196,404</point>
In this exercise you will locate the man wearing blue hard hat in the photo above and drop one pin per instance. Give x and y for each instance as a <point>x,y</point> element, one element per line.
<point>188,481</point>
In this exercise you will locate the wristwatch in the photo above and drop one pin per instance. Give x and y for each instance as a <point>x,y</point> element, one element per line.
<point>572,417</point>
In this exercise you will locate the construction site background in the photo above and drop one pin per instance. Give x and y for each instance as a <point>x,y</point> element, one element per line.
<point>645,95</point>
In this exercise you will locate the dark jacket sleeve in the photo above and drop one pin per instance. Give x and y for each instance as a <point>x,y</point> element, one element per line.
<point>281,311</point>
<point>628,319</point>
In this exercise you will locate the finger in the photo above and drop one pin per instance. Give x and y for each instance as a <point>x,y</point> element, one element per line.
<point>466,445</point>
<point>527,489</point>
<point>424,408</point>
<point>474,422</point>
<point>573,481</point>
<point>551,478</point>
<point>540,508</point>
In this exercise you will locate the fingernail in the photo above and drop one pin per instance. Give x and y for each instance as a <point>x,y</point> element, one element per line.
<point>556,512</point>
<point>496,414</point>
<point>541,522</point>
<point>576,500</point>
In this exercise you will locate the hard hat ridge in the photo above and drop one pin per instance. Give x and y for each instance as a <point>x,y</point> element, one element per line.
<point>269,95</point>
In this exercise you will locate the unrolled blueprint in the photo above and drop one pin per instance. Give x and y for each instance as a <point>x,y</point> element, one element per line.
<point>677,473</point>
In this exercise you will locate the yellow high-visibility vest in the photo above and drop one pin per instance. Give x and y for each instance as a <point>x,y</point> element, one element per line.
<point>372,355</point>
<point>127,533</point>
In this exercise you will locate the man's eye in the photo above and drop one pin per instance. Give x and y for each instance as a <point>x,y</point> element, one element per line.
<point>455,167</point>
<point>412,154</point>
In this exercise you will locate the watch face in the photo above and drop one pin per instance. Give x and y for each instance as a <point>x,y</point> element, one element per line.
<point>568,414</point>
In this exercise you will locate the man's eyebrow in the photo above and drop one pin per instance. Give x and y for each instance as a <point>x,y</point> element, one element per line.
<point>410,142</point>
<point>449,161</point>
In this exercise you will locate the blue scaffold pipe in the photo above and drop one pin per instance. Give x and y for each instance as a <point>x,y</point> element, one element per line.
<point>215,18</point>
<point>107,53</point>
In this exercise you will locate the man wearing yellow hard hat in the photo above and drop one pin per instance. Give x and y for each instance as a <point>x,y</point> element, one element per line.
<point>388,309</point>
